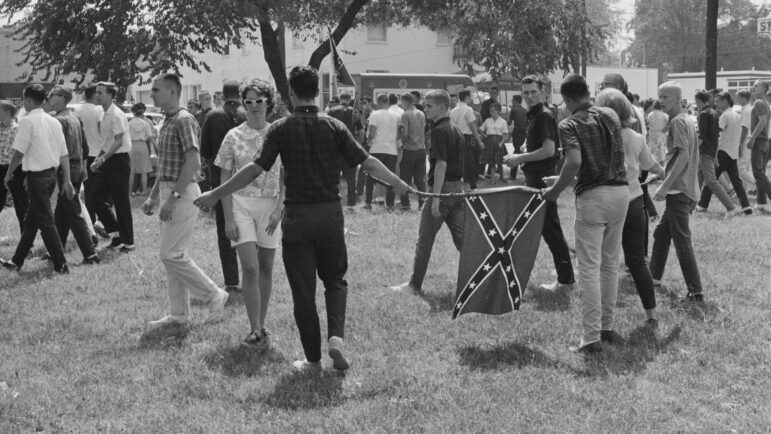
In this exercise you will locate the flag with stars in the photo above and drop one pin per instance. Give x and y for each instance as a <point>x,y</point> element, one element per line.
<point>343,77</point>
<point>500,242</point>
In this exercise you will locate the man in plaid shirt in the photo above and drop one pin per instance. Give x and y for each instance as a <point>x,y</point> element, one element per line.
<point>312,147</point>
<point>176,187</point>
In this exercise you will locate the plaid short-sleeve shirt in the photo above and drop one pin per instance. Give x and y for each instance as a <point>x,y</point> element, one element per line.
<point>179,133</point>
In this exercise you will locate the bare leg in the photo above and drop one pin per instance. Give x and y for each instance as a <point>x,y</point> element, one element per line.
<point>247,254</point>
<point>265,279</point>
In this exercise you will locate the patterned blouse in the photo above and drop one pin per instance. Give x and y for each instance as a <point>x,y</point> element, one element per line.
<point>241,146</point>
<point>7,135</point>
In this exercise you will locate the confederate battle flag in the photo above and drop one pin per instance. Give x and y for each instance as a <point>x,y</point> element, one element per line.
<point>500,242</point>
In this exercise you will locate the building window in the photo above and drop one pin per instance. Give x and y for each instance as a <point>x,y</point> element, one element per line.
<point>443,37</point>
<point>376,32</point>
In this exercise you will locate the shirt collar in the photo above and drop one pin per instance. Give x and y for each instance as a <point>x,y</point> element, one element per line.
<point>535,109</point>
<point>306,109</point>
<point>585,106</point>
<point>441,121</point>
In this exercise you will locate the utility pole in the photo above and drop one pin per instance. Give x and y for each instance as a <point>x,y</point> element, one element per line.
<point>584,42</point>
<point>710,61</point>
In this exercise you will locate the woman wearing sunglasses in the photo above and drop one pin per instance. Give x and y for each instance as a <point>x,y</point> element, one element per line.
<point>253,214</point>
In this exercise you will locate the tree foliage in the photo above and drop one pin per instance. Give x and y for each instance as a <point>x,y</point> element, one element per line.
<point>671,34</point>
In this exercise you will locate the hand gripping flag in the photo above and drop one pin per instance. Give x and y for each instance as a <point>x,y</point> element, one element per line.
<point>500,242</point>
<point>343,77</point>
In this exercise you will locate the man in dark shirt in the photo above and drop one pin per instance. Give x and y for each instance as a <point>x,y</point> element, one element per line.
<point>484,110</point>
<point>538,162</point>
<point>352,120</point>
<point>518,127</point>
<point>68,213</point>
<point>708,135</point>
<point>312,147</point>
<point>216,125</point>
<point>444,176</point>
<point>594,150</point>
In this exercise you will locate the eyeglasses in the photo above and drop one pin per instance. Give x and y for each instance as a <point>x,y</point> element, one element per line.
<point>254,101</point>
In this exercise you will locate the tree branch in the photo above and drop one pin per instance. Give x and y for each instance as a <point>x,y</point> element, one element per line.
<point>345,24</point>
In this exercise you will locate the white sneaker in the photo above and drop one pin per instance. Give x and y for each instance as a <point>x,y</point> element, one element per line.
<point>167,321</point>
<point>339,361</point>
<point>732,213</point>
<point>556,286</point>
<point>306,366</point>
<point>700,208</point>
<point>406,288</point>
<point>217,305</point>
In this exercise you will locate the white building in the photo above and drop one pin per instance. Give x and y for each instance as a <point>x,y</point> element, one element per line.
<point>731,81</point>
<point>642,81</point>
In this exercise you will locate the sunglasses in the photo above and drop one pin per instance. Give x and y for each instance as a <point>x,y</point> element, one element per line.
<point>248,102</point>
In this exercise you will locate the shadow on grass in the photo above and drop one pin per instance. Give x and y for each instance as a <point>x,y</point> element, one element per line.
<point>509,354</point>
<point>707,311</point>
<point>641,347</point>
<point>549,301</point>
<point>438,301</point>
<point>242,362</point>
<point>171,336</point>
<point>309,390</point>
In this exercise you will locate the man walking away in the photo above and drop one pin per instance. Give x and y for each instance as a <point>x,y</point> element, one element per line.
<point>352,120</point>
<point>412,168</point>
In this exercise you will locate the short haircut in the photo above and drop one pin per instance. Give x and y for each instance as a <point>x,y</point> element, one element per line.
<point>9,107</point>
<point>381,98</point>
<point>647,103</point>
<point>35,92</point>
<point>109,87</point>
<point>744,94</point>
<point>702,96</point>
<point>613,99</point>
<point>230,89</point>
<point>672,85</point>
<point>462,95</point>
<point>440,97</point>
<point>517,99</point>
<point>532,78</point>
<point>174,80</point>
<point>408,97</point>
<point>416,94</point>
<point>204,93</point>
<point>725,96</point>
<point>304,81</point>
<point>263,88</point>
<point>574,87</point>
<point>657,105</point>
<point>636,96</point>
<point>65,91</point>
<point>218,93</point>
<point>138,109</point>
<point>763,83</point>
<point>496,106</point>
<point>345,96</point>
<point>617,80</point>
<point>393,99</point>
<point>89,91</point>
<point>451,95</point>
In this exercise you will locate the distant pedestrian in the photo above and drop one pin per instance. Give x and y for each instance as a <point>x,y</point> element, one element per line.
<point>657,134</point>
<point>743,98</point>
<point>412,167</point>
<point>758,144</point>
<point>384,129</point>
<point>517,128</point>
<point>40,148</point>
<point>175,189</point>
<point>351,117</point>
<point>142,144</point>
<point>484,109</point>
<point>463,118</point>
<point>8,129</point>
<point>495,133</point>
<point>204,101</point>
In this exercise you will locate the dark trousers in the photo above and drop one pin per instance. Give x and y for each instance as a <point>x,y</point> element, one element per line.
<point>759,161</point>
<point>349,174</point>
<point>517,141</point>
<point>69,215</point>
<point>674,228</point>
<point>40,187</point>
<point>111,182</point>
<point>552,231</point>
<point>729,165</point>
<point>453,214</point>
<point>470,161</point>
<point>650,208</point>
<point>634,242</point>
<point>87,187</point>
<point>412,168</point>
<point>18,193</point>
<point>228,256</point>
<point>312,243</point>
<point>390,162</point>
<point>361,181</point>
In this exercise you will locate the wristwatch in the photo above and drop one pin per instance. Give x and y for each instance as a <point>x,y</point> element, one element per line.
<point>176,195</point>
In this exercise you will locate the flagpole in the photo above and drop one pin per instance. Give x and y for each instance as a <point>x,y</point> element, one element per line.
<point>466,193</point>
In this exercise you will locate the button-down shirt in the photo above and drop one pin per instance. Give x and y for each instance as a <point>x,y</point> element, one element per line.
<point>682,143</point>
<point>7,134</point>
<point>596,133</point>
<point>462,116</point>
<point>708,132</point>
<point>179,133</point>
<point>214,128</point>
<point>312,147</point>
<point>41,140</point>
<point>541,126</point>
<point>114,122</point>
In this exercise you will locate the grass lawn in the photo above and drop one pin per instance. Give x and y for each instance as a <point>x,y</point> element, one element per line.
<point>74,355</point>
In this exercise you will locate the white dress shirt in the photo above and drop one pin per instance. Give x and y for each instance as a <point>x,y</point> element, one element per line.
<point>41,139</point>
<point>114,122</point>
<point>90,115</point>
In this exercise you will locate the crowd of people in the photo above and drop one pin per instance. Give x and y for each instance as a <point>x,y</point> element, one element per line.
<point>274,176</point>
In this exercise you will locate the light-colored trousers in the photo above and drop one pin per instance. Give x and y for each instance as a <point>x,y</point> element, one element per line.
<point>745,171</point>
<point>182,274</point>
<point>600,216</point>
<point>707,166</point>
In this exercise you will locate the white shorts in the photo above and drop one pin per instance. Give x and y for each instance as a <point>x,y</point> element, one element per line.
<point>252,215</point>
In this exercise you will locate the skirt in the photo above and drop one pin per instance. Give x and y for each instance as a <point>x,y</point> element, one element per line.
<point>493,154</point>
<point>140,158</point>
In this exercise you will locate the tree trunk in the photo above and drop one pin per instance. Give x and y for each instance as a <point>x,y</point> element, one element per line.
<point>584,41</point>
<point>710,62</point>
<point>272,51</point>
<point>345,24</point>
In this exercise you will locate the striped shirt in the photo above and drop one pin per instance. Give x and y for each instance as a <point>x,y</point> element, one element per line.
<point>179,133</point>
<point>7,134</point>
